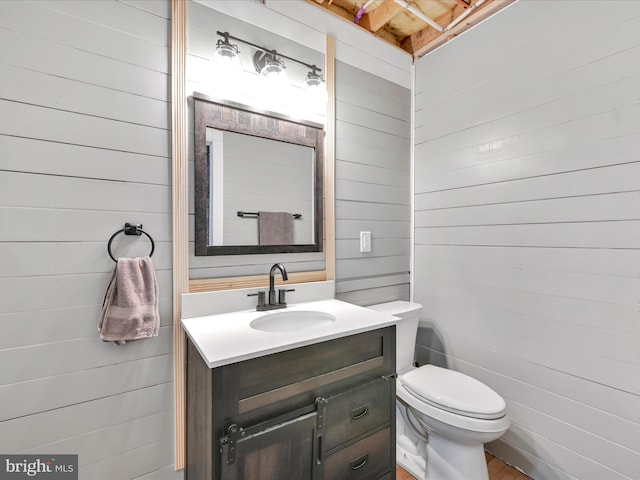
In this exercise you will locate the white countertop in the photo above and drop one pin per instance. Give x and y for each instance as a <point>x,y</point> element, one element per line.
<point>227,338</point>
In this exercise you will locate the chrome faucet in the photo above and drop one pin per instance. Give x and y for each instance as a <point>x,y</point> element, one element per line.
<point>273,302</point>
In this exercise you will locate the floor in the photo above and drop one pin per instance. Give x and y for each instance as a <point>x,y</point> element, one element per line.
<point>498,470</point>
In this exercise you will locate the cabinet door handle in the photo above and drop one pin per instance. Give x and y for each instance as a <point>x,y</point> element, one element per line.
<point>360,412</point>
<point>358,463</point>
<point>319,452</point>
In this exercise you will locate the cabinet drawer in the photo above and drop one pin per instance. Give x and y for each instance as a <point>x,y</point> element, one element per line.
<point>357,411</point>
<point>367,459</point>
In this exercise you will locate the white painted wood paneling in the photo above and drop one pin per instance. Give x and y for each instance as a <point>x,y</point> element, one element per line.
<point>595,181</point>
<point>140,462</point>
<point>52,393</point>
<point>59,325</point>
<point>575,260</point>
<point>616,430</point>
<point>614,234</point>
<point>93,447</point>
<point>527,228</point>
<point>88,257</point>
<point>18,367</point>
<point>365,172</point>
<point>22,120</point>
<point>582,208</point>
<point>81,161</point>
<point>85,136</point>
<point>372,187</point>
<point>558,419</point>
<point>31,87</point>
<point>68,62</point>
<point>42,224</point>
<point>350,210</point>
<point>57,192</point>
<point>47,427</point>
<point>603,288</point>
<point>449,169</point>
<point>362,191</point>
<point>87,36</point>
<point>130,17</point>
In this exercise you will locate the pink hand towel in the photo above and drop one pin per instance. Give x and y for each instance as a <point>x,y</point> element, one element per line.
<point>275,228</point>
<point>130,306</point>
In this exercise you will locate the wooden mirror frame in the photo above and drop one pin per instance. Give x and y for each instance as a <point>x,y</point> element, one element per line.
<point>235,117</point>
<point>180,202</point>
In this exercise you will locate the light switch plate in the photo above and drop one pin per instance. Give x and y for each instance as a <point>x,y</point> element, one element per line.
<point>365,241</point>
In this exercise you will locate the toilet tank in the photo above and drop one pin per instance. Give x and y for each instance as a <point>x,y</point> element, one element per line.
<point>406,329</point>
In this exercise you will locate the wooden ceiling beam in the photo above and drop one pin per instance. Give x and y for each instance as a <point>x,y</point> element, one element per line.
<point>333,8</point>
<point>378,17</point>
<point>349,16</point>
<point>379,22</point>
<point>421,38</point>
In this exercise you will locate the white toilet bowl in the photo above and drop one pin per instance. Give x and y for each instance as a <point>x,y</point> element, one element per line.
<point>444,417</point>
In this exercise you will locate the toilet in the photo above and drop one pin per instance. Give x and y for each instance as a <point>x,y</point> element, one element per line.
<point>443,417</point>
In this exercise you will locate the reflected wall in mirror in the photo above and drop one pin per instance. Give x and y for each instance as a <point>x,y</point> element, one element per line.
<point>249,174</point>
<point>258,181</point>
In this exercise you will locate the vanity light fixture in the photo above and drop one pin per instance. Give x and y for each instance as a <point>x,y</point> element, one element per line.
<point>227,54</point>
<point>269,66</point>
<point>268,63</point>
<point>313,78</point>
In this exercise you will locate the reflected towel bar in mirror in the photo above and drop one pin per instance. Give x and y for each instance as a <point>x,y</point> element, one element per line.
<point>297,216</point>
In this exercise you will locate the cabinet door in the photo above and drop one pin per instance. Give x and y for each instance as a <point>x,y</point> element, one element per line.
<point>284,451</point>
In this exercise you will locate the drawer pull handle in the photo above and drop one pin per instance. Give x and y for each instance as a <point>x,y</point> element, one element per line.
<point>360,412</point>
<point>359,462</point>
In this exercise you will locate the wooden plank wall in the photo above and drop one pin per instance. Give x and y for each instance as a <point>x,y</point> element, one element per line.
<point>85,141</point>
<point>527,216</point>
<point>373,130</point>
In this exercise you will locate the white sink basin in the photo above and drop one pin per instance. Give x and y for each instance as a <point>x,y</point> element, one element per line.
<point>292,320</point>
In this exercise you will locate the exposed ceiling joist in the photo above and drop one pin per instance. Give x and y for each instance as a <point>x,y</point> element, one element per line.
<point>380,16</point>
<point>422,46</point>
<point>415,26</point>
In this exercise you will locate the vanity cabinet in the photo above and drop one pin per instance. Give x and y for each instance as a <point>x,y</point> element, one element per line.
<point>322,411</point>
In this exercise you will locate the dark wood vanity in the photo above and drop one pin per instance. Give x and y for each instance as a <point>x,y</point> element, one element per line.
<point>322,411</point>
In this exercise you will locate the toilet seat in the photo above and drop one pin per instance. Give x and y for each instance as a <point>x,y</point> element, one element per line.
<point>454,392</point>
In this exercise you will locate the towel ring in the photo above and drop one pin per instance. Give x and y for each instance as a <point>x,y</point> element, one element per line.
<point>130,229</point>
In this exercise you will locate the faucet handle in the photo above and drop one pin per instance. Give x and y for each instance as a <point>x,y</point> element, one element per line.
<point>282,295</point>
<point>261,297</point>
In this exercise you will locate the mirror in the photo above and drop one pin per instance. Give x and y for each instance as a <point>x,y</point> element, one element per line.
<point>258,181</point>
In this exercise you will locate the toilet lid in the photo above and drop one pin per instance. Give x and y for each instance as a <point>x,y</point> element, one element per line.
<point>454,392</point>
